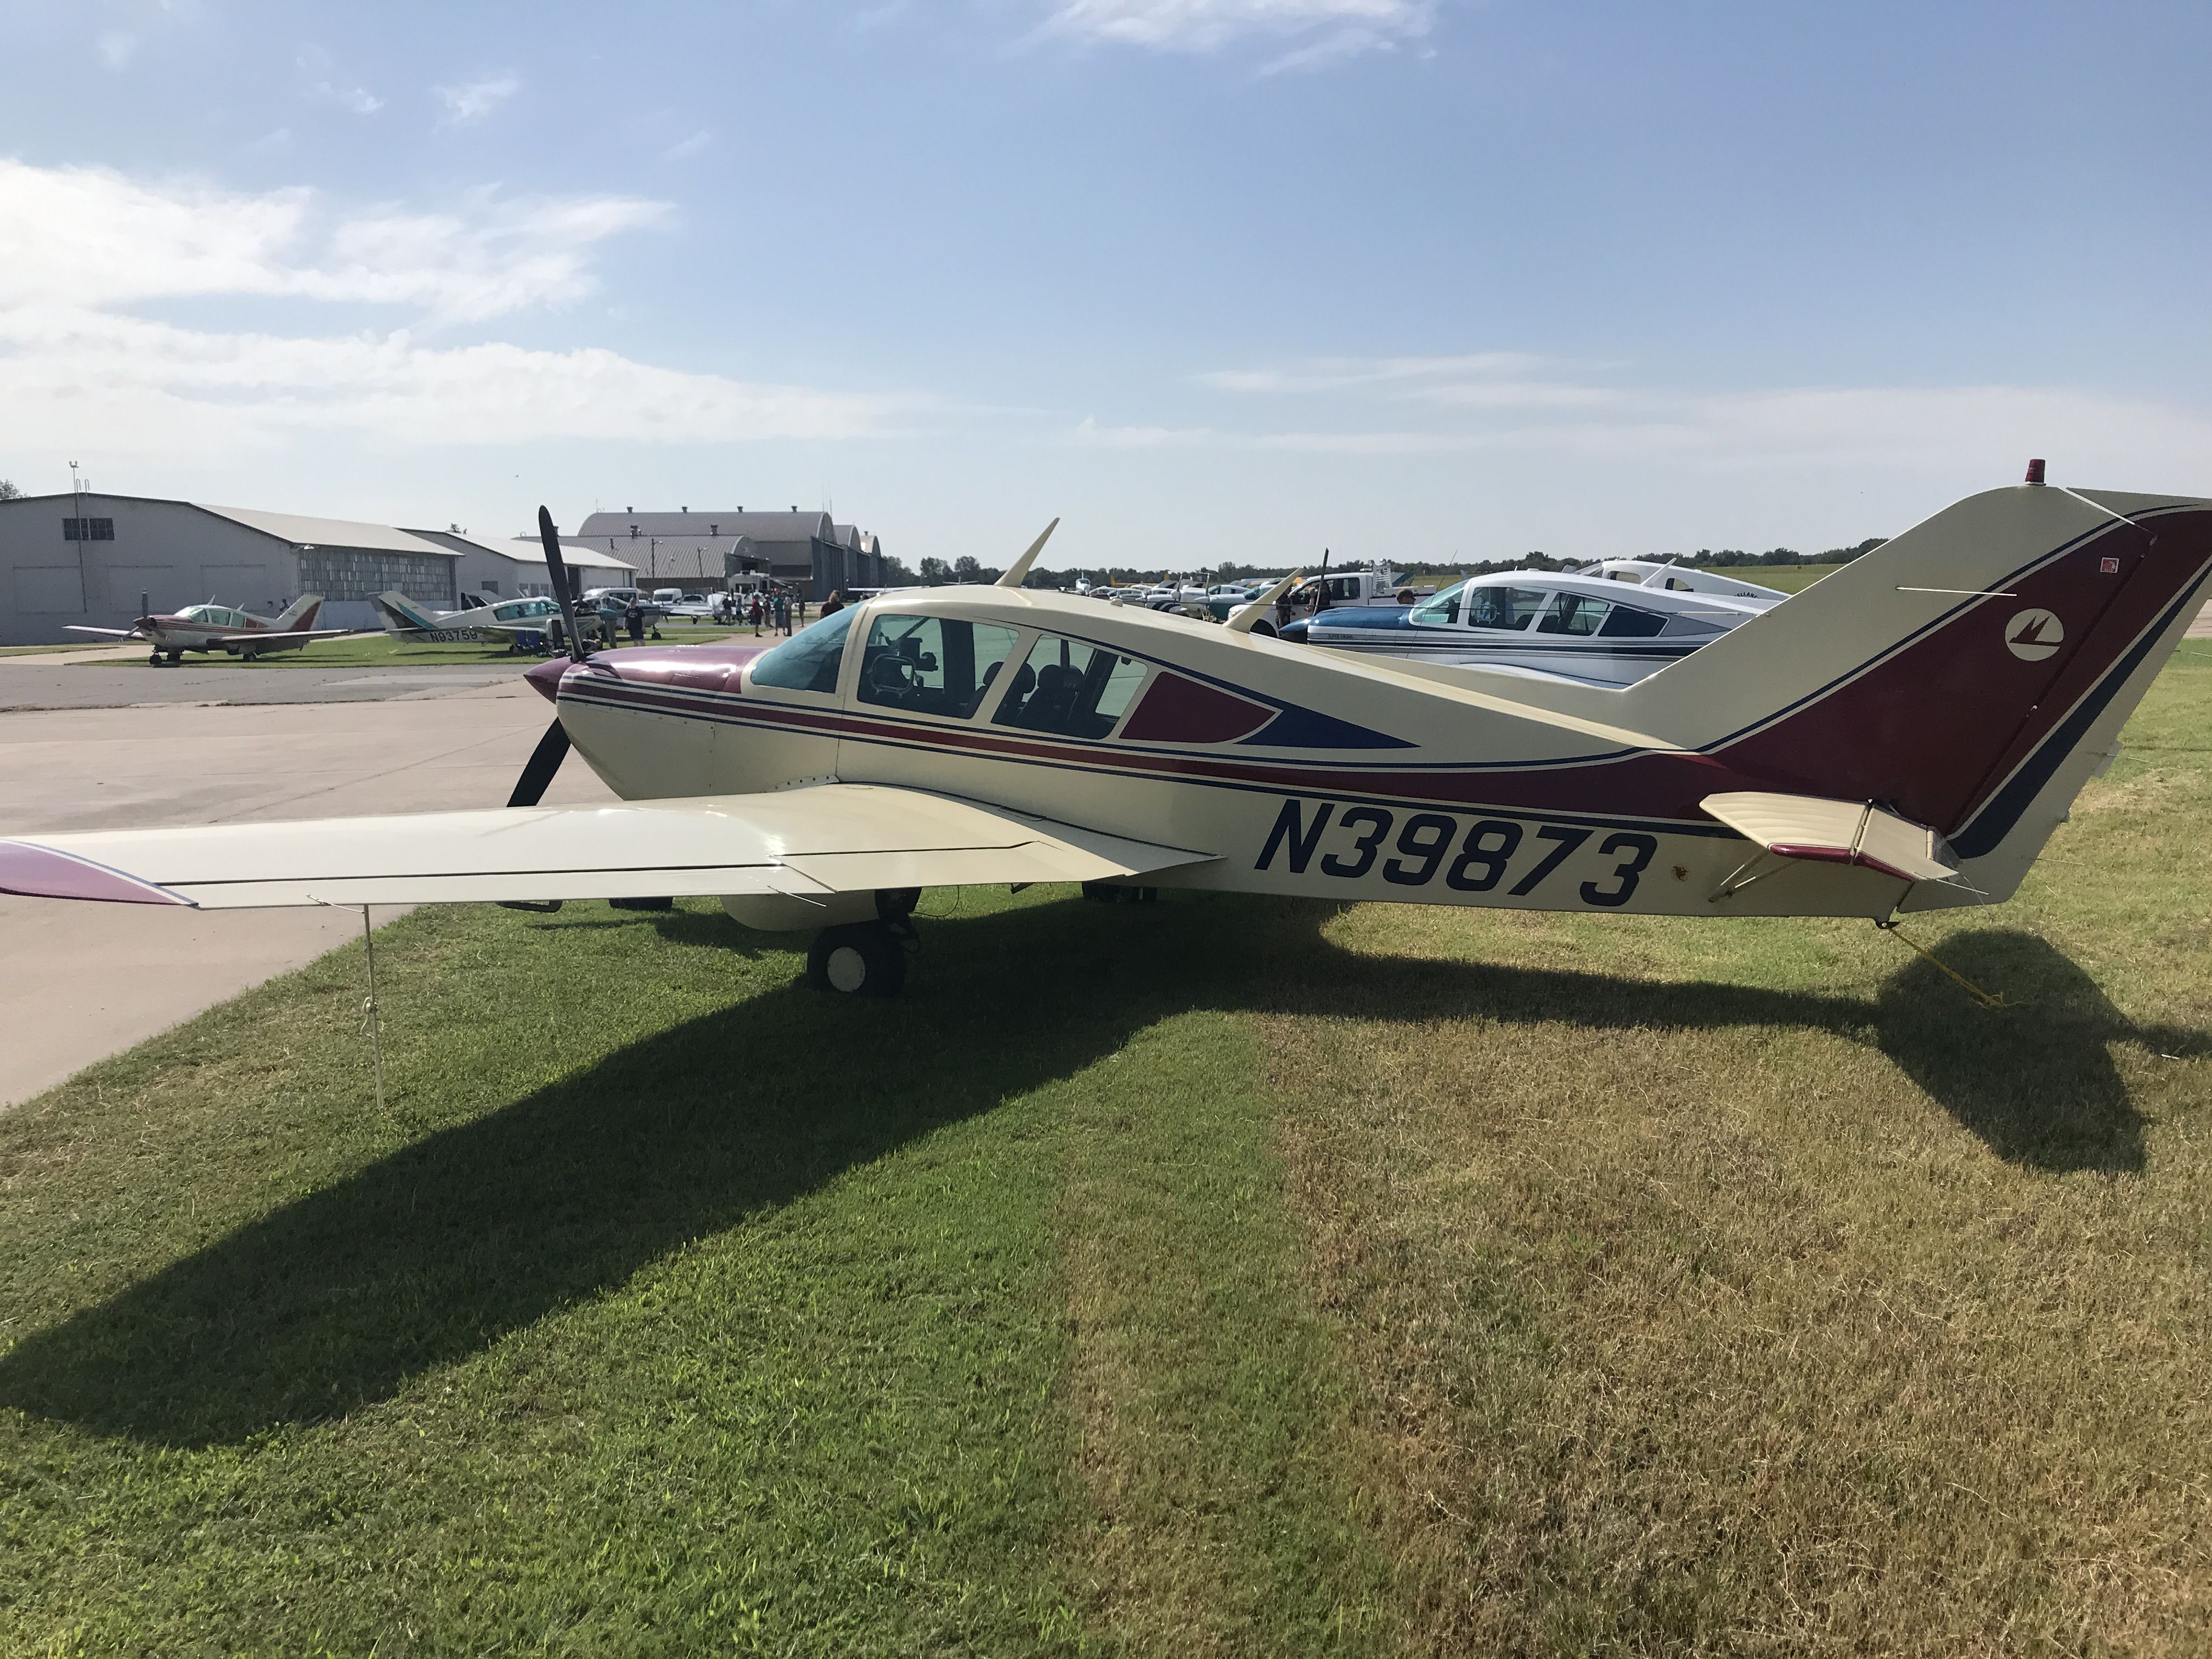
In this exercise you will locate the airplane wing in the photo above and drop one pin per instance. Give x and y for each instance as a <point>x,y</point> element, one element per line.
<point>1837,832</point>
<point>828,838</point>
<point>300,635</point>
<point>105,633</point>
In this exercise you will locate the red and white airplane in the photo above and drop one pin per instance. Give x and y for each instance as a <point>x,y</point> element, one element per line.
<point>214,627</point>
<point>1903,736</point>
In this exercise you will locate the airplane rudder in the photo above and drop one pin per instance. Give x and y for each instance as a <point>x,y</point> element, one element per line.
<point>2028,643</point>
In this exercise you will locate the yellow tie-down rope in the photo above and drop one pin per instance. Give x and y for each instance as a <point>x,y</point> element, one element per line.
<point>1985,998</point>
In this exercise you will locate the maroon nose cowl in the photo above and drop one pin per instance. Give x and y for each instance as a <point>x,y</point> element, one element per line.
<point>546,677</point>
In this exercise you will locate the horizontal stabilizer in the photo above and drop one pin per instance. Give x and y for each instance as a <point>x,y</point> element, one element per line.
<point>1837,832</point>
<point>830,838</point>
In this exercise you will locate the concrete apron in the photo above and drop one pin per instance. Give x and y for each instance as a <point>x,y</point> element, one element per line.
<point>81,982</point>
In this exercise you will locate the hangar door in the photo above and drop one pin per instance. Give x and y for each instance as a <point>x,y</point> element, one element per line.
<point>156,584</point>
<point>52,590</point>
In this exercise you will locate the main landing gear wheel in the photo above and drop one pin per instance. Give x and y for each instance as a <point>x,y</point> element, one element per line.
<point>860,959</point>
<point>153,659</point>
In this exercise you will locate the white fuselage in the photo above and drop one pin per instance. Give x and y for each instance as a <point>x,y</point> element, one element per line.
<point>1383,785</point>
<point>1594,628</point>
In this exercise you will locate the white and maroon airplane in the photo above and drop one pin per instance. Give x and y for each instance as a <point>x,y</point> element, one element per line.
<point>1903,736</point>
<point>214,627</point>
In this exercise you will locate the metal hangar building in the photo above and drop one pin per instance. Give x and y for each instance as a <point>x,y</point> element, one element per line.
<point>689,549</point>
<point>104,560</point>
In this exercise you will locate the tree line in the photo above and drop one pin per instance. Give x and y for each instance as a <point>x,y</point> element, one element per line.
<point>937,573</point>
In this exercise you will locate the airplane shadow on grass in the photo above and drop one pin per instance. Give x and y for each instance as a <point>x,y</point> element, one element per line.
<point>337,1300</point>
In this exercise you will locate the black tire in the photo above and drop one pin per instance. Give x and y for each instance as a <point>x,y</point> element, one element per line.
<point>641,904</point>
<point>176,658</point>
<point>153,659</point>
<point>861,959</point>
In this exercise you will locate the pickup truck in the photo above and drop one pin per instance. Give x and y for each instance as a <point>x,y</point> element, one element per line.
<point>1335,589</point>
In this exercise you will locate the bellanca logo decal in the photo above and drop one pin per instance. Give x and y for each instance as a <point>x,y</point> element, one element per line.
<point>2033,634</point>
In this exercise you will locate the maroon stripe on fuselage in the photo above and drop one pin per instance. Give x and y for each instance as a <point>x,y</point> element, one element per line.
<point>1644,786</point>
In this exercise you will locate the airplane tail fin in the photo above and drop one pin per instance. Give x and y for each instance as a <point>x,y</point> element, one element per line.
<point>1970,675</point>
<point>300,614</point>
<point>401,616</point>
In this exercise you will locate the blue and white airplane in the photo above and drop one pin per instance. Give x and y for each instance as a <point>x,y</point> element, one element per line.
<point>1609,623</point>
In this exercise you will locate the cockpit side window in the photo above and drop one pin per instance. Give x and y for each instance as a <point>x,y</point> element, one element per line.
<point>1068,687</point>
<point>1442,612</point>
<point>1574,613</point>
<point>1502,607</point>
<point>1626,622</point>
<point>933,665</point>
<point>809,660</point>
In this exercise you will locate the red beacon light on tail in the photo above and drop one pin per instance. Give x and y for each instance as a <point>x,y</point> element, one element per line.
<point>2035,471</point>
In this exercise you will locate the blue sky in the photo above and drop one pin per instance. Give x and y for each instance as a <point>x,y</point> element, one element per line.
<point>1209,278</point>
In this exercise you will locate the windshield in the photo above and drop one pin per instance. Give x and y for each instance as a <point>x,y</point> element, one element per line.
<point>808,660</point>
<point>1441,611</point>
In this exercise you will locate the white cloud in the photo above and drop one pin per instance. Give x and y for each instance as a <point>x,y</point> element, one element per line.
<point>93,237</point>
<point>1322,31</point>
<point>473,100</point>
<point>875,17</point>
<point>1495,403</point>
<point>76,364</point>
<point>315,62</point>
<point>687,146</point>
<point>1334,374</point>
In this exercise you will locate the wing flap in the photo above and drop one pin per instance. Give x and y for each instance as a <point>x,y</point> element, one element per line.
<point>826,838</point>
<point>1837,832</point>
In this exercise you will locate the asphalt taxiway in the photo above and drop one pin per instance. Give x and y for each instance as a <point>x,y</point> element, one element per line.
<point>94,748</point>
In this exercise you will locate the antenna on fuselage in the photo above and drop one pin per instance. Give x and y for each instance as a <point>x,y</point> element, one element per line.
<point>1020,568</point>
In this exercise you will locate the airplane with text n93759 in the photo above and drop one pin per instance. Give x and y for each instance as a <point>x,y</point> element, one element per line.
<point>1903,735</point>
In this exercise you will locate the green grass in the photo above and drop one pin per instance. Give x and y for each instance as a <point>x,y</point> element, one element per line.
<point>382,651</point>
<point>1788,579</point>
<point>1222,1276</point>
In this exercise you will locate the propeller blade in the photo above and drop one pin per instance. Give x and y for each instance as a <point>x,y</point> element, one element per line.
<point>558,570</point>
<point>544,761</point>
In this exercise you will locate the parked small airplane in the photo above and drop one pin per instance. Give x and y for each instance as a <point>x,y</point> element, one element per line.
<point>415,622</point>
<point>1903,736</point>
<point>1609,624</point>
<point>214,627</point>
